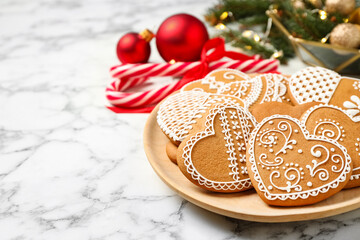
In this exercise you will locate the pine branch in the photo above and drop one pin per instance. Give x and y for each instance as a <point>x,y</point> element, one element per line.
<point>240,9</point>
<point>253,20</point>
<point>250,45</point>
<point>281,42</point>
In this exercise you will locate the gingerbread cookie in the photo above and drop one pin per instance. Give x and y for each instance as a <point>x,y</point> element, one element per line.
<point>290,167</point>
<point>257,90</point>
<point>326,86</point>
<point>214,156</point>
<point>215,80</point>
<point>334,123</point>
<point>264,88</point>
<point>171,151</point>
<point>178,112</point>
<point>268,109</point>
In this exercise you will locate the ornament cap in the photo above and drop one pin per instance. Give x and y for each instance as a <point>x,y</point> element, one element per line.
<point>147,35</point>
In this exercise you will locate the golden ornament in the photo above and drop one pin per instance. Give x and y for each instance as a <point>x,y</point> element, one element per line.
<point>344,7</point>
<point>345,35</point>
<point>316,3</point>
<point>211,19</point>
<point>298,4</point>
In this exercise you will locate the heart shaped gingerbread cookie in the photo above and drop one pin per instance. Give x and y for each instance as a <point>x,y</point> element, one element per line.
<point>290,167</point>
<point>214,157</point>
<point>334,123</point>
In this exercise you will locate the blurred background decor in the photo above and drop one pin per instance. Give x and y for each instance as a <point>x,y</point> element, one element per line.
<point>320,33</point>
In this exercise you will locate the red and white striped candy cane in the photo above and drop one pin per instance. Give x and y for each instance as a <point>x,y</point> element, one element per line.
<point>131,75</point>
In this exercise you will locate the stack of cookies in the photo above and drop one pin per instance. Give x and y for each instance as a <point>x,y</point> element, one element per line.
<point>295,139</point>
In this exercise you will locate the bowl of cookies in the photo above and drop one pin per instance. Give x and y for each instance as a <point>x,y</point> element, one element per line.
<point>266,148</point>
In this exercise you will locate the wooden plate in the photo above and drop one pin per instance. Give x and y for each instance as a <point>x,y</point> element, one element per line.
<point>246,205</point>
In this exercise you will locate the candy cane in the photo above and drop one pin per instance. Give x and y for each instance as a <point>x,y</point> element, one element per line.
<point>131,75</point>
<point>128,76</point>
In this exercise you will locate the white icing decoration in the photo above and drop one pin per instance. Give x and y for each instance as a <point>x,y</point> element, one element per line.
<point>275,87</point>
<point>283,126</point>
<point>213,84</point>
<point>328,133</point>
<point>233,115</point>
<point>227,88</point>
<point>292,180</point>
<point>356,84</point>
<point>264,160</point>
<point>355,177</point>
<point>238,135</point>
<point>247,89</point>
<point>179,111</point>
<point>235,124</point>
<point>314,84</point>
<point>353,107</point>
<point>336,158</point>
<point>230,145</point>
<point>357,149</point>
<point>341,172</point>
<point>241,147</point>
<point>246,122</point>
<point>323,173</point>
<point>229,74</point>
<point>241,88</point>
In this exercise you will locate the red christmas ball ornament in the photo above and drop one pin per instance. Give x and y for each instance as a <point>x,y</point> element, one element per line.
<point>181,37</point>
<point>134,47</point>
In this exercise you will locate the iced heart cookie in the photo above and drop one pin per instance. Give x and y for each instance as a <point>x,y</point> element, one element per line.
<point>214,157</point>
<point>268,109</point>
<point>171,150</point>
<point>215,80</point>
<point>333,122</point>
<point>290,167</point>
<point>179,112</point>
<point>326,86</point>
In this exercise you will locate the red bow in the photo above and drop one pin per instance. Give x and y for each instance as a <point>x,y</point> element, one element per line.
<point>217,45</point>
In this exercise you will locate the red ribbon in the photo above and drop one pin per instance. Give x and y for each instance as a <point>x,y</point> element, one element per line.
<point>219,52</point>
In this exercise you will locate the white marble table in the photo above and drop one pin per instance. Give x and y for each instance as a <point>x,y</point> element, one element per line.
<point>70,168</point>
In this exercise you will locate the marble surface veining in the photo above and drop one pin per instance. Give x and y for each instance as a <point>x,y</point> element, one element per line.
<point>70,168</point>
